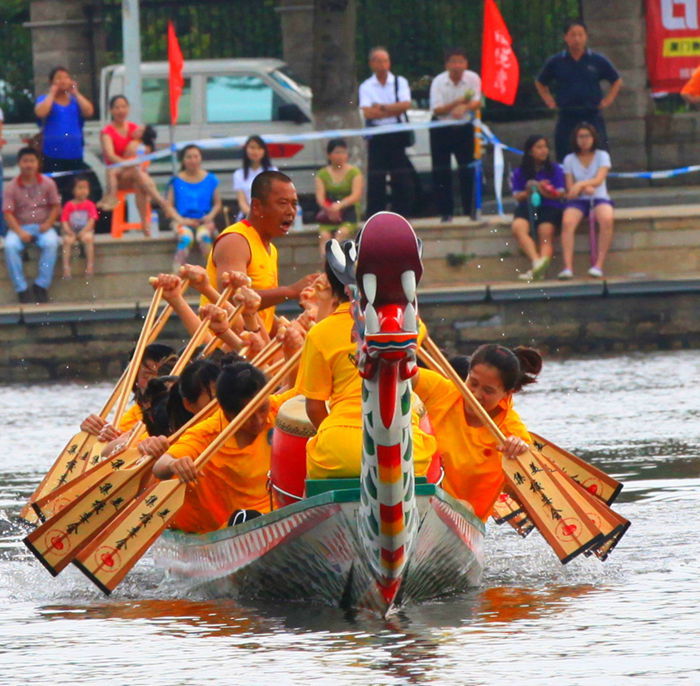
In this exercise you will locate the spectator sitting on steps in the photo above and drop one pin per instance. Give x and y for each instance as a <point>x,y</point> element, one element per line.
<point>533,221</point>
<point>31,206</point>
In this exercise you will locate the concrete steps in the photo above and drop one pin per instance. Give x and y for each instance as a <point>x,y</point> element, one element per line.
<point>649,242</point>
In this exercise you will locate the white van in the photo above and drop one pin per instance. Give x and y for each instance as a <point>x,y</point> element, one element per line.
<point>227,97</point>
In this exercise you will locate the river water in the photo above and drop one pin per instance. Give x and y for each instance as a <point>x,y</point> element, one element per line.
<point>633,619</point>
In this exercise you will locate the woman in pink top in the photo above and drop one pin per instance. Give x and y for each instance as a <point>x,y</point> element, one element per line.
<point>120,141</point>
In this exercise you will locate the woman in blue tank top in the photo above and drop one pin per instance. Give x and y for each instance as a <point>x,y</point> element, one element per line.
<point>195,195</point>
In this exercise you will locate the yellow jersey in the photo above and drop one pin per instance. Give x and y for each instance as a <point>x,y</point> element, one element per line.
<point>470,457</point>
<point>328,371</point>
<point>262,267</point>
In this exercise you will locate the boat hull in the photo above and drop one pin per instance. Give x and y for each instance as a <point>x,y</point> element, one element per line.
<point>311,552</point>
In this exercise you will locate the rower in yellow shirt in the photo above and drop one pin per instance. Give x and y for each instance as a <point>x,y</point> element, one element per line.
<point>470,455</point>
<point>235,478</point>
<point>247,245</point>
<point>328,372</point>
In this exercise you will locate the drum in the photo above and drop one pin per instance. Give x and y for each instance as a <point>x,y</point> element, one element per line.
<point>288,459</point>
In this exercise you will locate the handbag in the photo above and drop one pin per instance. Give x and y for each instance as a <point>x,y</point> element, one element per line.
<point>405,139</point>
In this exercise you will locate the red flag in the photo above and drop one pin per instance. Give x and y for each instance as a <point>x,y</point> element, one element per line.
<point>175,79</point>
<point>500,71</point>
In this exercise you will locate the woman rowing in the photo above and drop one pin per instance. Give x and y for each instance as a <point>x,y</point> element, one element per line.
<point>471,456</point>
<point>328,373</point>
<point>235,479</point>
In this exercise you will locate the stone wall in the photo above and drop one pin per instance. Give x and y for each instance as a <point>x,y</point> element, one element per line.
<point>559,319</point>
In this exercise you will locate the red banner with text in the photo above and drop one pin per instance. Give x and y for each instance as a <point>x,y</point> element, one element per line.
<point>673,43</point>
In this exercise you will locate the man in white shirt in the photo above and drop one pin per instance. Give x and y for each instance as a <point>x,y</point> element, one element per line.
<point>454,94</point>
<point>384,99</point>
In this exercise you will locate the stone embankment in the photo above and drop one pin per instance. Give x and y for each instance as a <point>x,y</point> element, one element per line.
<point>469,295</point>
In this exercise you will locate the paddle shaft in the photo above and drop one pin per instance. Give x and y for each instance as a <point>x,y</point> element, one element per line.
<point>198,336</point>
<point>106,559</point>
<point>137,356</point>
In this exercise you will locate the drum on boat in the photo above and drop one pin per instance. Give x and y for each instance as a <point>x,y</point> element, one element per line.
<point>288,459</point>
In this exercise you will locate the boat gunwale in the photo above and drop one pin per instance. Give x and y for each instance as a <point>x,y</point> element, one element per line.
<point>349,495</point>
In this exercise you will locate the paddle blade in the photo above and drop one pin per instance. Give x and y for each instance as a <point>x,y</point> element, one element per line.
<point>66,467</point>
<point>52,503</point>
<point>505,508</point>
<point>610,524</point>
<point>558,517</point>
<point>594,480</point>
<point>115,550</point>
<point>56,541</point>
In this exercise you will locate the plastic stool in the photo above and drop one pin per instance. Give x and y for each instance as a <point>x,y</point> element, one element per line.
<point>124,210</point>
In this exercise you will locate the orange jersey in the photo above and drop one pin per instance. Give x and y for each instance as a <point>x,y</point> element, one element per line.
<point>470,457</point>
<point>262,267</point>
<point>130,417</point>
<point>233,479</point>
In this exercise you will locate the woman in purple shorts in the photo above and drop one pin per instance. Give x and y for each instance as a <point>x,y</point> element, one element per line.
<point>586,169</point>
<point>537,173</point>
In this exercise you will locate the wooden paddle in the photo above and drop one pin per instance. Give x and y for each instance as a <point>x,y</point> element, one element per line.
<point>81,449</point>
<point>83,507</point>
<point>594,480</point>
<point>199,334</point>
<point>136,358</point>
<point>215,343</point>
<point>557,512</point>
<point>117,548</point>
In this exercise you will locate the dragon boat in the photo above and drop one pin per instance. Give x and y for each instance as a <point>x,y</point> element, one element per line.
<point>377,542</point>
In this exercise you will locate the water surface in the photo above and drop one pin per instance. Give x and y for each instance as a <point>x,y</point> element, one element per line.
<point>632,619</point>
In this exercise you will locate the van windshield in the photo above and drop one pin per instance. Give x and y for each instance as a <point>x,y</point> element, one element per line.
<point>287,79</point>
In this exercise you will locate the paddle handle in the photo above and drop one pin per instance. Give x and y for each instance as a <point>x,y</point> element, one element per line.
<point>138,354</point>
<point>215,343</point>
<point>152,337</point>
<point>198,336</point>
<point>446,368</point>
<point>237,422</point>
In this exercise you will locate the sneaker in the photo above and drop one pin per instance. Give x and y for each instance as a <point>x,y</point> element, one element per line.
<point>539,267</point>
<point>41,295</point>
<point>565,275</point>
<point>446,218</point>
<point>25,296</point>
<point>595,272</point>
<point>526,276</point>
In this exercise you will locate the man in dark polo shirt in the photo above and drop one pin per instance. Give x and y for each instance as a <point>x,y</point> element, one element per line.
<point>574,75</point>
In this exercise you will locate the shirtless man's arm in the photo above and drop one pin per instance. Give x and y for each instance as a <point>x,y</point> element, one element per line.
<point>232,253</point>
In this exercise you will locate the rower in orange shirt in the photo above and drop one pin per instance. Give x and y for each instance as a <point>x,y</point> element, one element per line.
<point>247,245</point>
<point>235,478</point>
<point>470,455</point>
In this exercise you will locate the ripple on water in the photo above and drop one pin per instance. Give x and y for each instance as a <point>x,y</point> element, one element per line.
<point>532,621</point>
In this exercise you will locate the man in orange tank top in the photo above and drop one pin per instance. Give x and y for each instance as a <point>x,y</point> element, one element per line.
<point>247,245</point>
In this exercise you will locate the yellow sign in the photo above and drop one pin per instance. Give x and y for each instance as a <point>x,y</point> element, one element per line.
<point>682,47</point>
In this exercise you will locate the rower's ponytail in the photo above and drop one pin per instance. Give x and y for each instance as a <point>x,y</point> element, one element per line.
<point>530,365</point>
<point>517,368</point>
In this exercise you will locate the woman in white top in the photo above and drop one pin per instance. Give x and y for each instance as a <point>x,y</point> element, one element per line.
<point>585,170</point>
<point>256,159</point>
